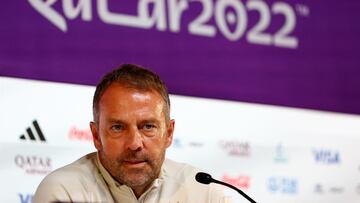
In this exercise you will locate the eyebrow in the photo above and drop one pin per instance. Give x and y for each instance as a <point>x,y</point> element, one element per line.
<point>148,120</point>
<point>151,120</point>
<point>114,120</point>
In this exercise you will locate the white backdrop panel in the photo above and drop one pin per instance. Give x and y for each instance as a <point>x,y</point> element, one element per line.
<point>274,154</point>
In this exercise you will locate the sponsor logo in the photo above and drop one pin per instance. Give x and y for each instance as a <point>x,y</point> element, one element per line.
<point>196,144</point>
<point>336,190</point>
<point>235,148</point>
<point>177,143</point>
<point>230,17</point>
<point>319,189</point>
<point>326,156</point>
<point>241,181</point>
<point>25,198</point>
<point>282,185</point>
<point>280,156</point>
<point>80,134</point>
<point>33,164</point>
<point>34,134</point>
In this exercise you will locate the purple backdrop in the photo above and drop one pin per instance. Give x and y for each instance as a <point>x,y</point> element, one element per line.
<point>318,71</point>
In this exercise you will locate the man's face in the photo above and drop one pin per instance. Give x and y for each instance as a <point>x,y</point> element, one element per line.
<point>132,135</point>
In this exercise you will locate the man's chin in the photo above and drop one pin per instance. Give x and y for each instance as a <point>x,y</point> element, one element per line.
<point>137,180</point>
<point>136,174</point>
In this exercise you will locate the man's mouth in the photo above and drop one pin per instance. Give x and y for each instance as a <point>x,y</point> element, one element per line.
<point>135,163</point>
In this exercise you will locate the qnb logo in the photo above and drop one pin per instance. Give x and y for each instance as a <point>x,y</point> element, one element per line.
<point>80,134</point>
<point>326,156</point>
<point>282,185</point>
<point>235,148</point>
<point>29,135</point>
<point>33,164</point>
<point>25,198</point>
<point>241,181</point>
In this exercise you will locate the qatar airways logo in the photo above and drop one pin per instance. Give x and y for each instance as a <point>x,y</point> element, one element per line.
<point>33,164</point>
<point>240,181</point>
<point>227,17</point>
<point>235,148</point>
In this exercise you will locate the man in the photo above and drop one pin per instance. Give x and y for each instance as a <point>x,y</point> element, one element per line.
<point>131,131</point>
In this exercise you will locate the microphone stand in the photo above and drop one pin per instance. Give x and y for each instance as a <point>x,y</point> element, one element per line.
<point>233,187</point>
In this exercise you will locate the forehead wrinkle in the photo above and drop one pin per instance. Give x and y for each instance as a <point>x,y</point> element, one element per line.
<point>112,105</point>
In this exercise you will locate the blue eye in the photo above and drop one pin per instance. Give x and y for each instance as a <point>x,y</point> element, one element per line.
<point>149,126</point>
<point>116,128</point>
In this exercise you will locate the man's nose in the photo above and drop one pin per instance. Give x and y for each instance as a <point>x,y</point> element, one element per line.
<point>135,140</point>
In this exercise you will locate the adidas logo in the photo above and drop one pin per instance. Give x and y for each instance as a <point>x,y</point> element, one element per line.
<point>29,135</point>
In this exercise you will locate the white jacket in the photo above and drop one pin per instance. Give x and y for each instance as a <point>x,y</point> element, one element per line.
<point>86,180</point>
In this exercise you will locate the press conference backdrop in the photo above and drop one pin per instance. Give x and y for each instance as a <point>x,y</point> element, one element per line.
<point>271,89</point>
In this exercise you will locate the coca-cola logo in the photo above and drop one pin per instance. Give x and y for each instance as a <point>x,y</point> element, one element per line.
<point>235,148</point>
<point>80,134</point>
<point>33,164</point>
<point>240,181</point>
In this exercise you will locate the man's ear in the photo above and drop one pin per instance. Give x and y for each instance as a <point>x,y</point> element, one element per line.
<point>95,134</point>
<point>170,132</point>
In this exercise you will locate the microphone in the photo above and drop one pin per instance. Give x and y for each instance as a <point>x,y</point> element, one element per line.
<point>205,178</point>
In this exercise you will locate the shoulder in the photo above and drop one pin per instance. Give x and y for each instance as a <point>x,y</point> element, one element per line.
<point>81,168</point>
<point>177,170</point>
<point>181,177</point>
<point>73,178</point>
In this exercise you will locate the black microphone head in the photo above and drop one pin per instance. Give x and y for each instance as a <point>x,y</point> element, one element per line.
<point>203,178</point>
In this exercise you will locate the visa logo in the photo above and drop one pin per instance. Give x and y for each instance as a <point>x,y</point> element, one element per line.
<point>326,156</point>
<point>25,198</point>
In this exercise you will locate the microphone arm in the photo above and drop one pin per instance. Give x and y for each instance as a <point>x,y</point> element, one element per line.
<point>205,178</point>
